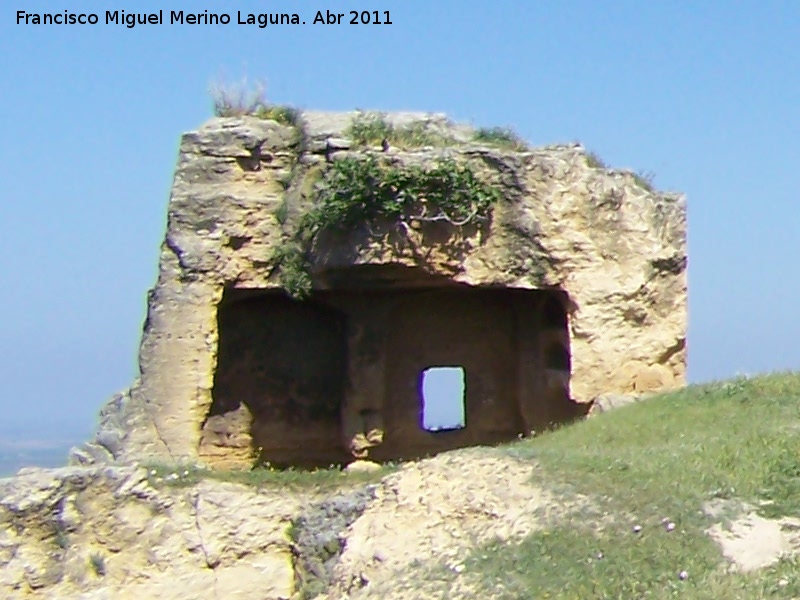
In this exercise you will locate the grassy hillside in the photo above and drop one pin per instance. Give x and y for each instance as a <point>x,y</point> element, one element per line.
<point>620,510</point>
<point>648,465</point>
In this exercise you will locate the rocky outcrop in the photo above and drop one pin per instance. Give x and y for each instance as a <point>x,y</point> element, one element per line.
<point>433,512</point>
<point>108,532</point>
<point>602,237</point>
<point>96,533</point>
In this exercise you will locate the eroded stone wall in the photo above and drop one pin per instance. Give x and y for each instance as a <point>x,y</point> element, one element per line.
<point>475,330</point>
<point>617,249</point>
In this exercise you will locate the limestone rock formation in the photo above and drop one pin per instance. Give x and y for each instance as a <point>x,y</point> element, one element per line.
<point>108,532</point>
<point>570,283</point>
<point>115,532</point>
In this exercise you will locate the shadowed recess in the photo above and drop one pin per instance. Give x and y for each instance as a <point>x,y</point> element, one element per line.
<point>386,364</point>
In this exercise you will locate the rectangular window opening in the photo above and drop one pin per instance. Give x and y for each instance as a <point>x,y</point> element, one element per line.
<point>443,393</point>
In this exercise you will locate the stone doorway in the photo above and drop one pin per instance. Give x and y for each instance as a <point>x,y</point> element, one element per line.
<point>278,386</point>
<point>342,375</point>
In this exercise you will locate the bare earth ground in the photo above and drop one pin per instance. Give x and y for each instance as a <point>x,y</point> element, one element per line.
<point>431,513</point>
<point>748,540</point>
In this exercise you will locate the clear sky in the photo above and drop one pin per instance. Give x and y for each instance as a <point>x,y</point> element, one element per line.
<point>705,95</point>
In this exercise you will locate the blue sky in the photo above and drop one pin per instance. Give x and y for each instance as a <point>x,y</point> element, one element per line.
<point>705,95</point>
<point>443,398</point>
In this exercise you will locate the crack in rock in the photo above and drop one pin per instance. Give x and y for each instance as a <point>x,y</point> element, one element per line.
<point>209,563</point>
<point>318,536</point>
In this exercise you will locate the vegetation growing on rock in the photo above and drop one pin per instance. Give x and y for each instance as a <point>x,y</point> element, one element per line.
<point>372,129</point>
<point>644,179</point>
<point>356,191</point>
<point>245,99</point>
<point>360,191</point>
<point>501,137</point>
<point>165,475</point>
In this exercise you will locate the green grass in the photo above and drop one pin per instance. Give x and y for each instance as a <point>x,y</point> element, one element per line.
<point>500,137</point>
<point>248,98</point>
<point>644,179</point>
<point>98,564</point>
<point>371,129</point>
<point>739,438</point>
<point>594,161</point>
<point>293,269</point>
<point>574,562</point>
<point>330,479</point>
<point>285,115</point>
<point>282,212</point>
<point>663,458</point>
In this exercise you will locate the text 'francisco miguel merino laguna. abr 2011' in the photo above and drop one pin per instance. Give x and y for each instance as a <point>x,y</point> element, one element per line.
<point>179,17</point>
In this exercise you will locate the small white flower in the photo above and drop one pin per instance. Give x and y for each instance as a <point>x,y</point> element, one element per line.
<point>683,575</point>
<point>670,526</point>
<point>152,472</point>
<point>637,528</point>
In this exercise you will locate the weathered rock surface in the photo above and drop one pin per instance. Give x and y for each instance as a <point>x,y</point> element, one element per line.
<point>606,402</point>
<point>320,537</point>
<point>93,533</point>
<point>433,512</point>
<point>614,246</point>
<point>106,532</point>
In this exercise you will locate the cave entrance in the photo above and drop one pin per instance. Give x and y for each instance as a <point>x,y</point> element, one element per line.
<point>384,366</point>
<point>278,387</point>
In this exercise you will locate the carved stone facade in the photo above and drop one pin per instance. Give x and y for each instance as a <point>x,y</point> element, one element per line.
<point>576,288</point>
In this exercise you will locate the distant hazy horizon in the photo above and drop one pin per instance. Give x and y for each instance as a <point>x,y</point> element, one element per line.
<point>24,449</point>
